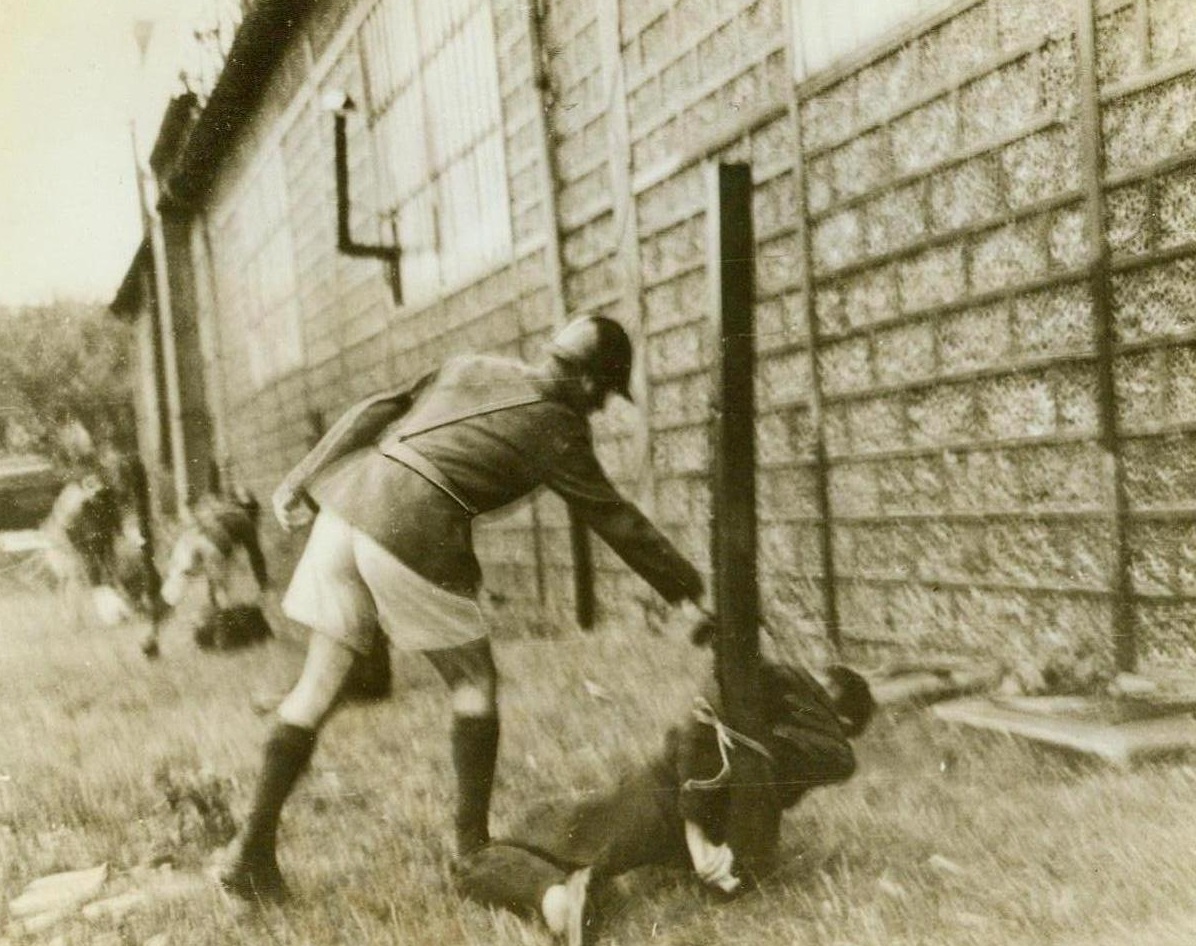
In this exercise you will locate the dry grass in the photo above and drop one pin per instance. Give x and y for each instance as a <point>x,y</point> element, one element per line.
<point>96,742</point>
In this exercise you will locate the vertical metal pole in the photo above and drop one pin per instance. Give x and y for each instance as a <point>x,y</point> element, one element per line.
<point>579,536</point>
<point>830,593</point>
<point>754,822</point>
<point>1125,644</point>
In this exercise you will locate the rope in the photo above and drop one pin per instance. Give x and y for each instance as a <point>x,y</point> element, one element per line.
<point>726,738</point>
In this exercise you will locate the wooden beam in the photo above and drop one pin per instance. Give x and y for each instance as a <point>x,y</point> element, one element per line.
<point>579,536</point>
<point>1125,644</point>
<point>754,823</point>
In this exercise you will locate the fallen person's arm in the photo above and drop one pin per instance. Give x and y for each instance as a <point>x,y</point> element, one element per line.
<point>713,863</point>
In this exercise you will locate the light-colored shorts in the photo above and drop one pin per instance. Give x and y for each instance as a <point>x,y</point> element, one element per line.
<point>346,584</point>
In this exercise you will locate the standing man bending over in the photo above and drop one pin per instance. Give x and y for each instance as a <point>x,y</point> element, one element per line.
<point>397,482</point>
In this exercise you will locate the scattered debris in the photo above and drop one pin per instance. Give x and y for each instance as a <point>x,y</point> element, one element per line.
<point>58,898</point>
<point>890,888</point>
<point>597,691</point>
<point>58,892</point>
<point>945,866</point>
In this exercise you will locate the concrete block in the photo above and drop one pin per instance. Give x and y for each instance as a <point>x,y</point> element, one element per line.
<point>925,137</point>
<point>982,480</point>
<point>1172,32</point>
<point>778,265</point>
<point>864,162</point>
<point>1140,384</point>
<point>1008,256</point>
<point>1181,389</point>
<point>883,85</point>
<point>680,400</point>
<point>773,144</point>
<point>846,366</point>
<point>830,116</point>
<point>677,351</point>
<point>1067,240</point>
<point>684,450</point>
<point>1016,406</point>
<point>915,484</point>
<point>974,338</point>
<point>1149,125</point>
<point>1064,475</point>
<point>774,439</point>
<point>783,380</point>
<point>1160,300</point>
<point>1000,103</point>
<point>854,489</point>
<point>774,205</point>
<point>1055,320</point>
<point>1076,399</point>
<point>1130,219</point>
<point>918,614</point>
<point>905,354</point>
<point>784,495</point>
<point>1153,558</point>
<point>1022,21</point>
<point>1177,208</point>
<point>780,323</point>
<point>820,184</point>
<point>877,425</point>
<point>932,277</point>
<point>895,220</point>
<point>1040,166</point>
<point>1118,51</point>
<point>836,426</point>
<point>960,45</point>
<point>878,294</point>
<point>837,241</point>
<point>942,415</point>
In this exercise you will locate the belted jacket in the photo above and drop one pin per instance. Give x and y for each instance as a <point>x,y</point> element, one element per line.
<point>492,433</point>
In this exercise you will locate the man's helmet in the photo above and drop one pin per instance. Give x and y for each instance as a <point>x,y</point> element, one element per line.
<point>600,347</point>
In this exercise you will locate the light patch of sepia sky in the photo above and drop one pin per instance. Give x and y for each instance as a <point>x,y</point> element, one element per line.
<point>72,83</point>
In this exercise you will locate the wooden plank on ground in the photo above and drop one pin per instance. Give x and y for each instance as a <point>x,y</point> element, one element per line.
<point>1118,743</point>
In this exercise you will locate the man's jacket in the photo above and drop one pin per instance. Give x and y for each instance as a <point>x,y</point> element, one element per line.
<point>487,427</point>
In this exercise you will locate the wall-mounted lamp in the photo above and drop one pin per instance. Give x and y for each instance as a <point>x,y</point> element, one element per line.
<point>340,104</point>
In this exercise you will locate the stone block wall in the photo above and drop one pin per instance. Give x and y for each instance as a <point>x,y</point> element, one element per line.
<point>1148,88</point>
<point>925,308</point>
<point>956,338</point>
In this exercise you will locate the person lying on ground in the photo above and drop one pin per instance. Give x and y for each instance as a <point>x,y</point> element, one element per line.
<point>675,809</point>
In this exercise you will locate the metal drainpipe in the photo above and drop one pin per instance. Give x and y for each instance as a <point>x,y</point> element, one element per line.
<point>174,403</point>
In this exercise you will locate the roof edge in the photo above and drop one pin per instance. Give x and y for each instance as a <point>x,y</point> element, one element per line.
<point>255,52</point>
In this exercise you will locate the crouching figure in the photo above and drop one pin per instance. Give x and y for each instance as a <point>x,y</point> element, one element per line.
<point>676,808</point>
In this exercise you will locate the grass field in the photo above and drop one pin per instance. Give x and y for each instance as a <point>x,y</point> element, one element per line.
<point>944,838</point>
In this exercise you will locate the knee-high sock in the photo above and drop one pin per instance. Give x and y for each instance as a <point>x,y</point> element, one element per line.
<point>475,752</point>
<point>287,752</point>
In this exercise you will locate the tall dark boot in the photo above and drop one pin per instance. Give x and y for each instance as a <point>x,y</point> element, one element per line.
<point>252,871</point>
<point>475,751</point>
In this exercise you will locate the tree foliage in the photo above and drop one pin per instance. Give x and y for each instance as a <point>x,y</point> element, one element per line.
<point>61,364</point>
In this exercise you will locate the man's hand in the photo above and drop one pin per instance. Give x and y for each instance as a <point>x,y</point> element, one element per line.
<point>701,623</point>
<point>713,863</point>
<point>291,508</point>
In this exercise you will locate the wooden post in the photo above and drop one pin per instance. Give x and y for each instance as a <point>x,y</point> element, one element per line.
<point>1125,644</point>
<point>754,822</point>
<point>829,587</point>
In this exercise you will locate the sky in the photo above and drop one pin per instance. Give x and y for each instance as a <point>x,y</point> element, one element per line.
<point>71,83</point>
